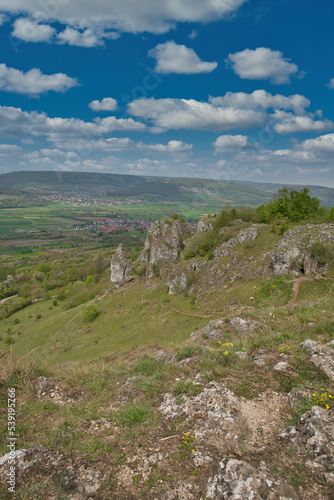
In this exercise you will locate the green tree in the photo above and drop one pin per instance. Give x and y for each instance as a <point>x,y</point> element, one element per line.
<point>291,205</point>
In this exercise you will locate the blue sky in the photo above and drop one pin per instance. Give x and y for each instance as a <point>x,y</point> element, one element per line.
<point>221,89</point>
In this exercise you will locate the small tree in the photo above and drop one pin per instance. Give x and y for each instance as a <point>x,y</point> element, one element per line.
<point>90,314</point>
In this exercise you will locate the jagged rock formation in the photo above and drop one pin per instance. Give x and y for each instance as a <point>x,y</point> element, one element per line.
<point>239,480</point>
<point>248,234</point>
<point>247,252</point>
<point>164,241</point>
<point>119,266</point>
<point>315,434</point>
<point>294,254</point>
<point>163,246</point>
<point>205,224</point>
<point>85,480</point>
<point>322,356</point>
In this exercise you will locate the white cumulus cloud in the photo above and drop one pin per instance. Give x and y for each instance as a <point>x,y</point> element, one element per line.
<point>107,104</point>
<point>84,38</point>
<point>330,84</point>
<point>231,143</point>
<point>191,114</point>
<point>174,58</point>
<point>33,82</point>
<point>31,31</point>
<point>263,64</point>
<point>106,17</point>
<point>287,123</point>
<point>170,147</point>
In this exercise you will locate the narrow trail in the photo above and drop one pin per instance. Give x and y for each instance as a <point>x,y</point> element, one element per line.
<point>8,298</point>
<point>296,287</point>
<point>60,329</point>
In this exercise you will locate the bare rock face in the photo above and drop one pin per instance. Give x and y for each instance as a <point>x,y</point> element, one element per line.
<point>239,480</point>
<point>315,434</point>
<point>119,265</point>
<point>163,246</point>
<point>164,241</point>
<point>205,224</point>
<point>294,250</point>
<point>177,283</point>
<point>322,356</point>
<point>248,234</point>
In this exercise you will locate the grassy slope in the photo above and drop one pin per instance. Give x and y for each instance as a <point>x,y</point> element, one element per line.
<point>134,321</point>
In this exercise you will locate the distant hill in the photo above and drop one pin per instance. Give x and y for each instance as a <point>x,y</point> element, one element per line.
<point>155,189</point>
<point>325,195</point>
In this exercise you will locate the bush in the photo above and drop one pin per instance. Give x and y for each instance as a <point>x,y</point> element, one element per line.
<point>283,228</point>
<point>323,252</point>
<point>90,314</point>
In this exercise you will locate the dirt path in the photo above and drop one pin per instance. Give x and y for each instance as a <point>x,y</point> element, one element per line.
<point>193,315</point>
<point>8,298</point>
<point>60,329</point>
<point>296,286</point>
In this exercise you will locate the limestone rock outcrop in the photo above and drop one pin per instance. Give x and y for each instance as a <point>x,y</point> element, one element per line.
<point>294,252</point>
<point>322,356</point>
<point>314,433</point>
<point>163,245</point>
<point>119,266</point>
<point>239,480</point>
<point>248,234</point>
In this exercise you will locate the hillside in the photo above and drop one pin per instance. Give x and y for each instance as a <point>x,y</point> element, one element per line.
<point>155,189</point>
<point>325,195</point>
<point>188,376</point>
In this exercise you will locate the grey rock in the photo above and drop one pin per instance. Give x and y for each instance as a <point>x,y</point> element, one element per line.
<point>164,241</point>
<point>213,330</point>
<point>249,234</point>
<point>238,480</point>
<point>282,367</point>
<point>260,356</point>
<point>242,324</point>
<point>241,354</point>
<point>165,357</point>
<point>43,385</point>
<point>177,283</point>
<point>205,224</point>
<point>322,356</point>
<point>295,397</point>
<point>294,253</point>
<point>315,433</point>
<point>118,266</point>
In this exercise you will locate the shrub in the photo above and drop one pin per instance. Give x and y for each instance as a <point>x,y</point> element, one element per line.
<point>155,270</point>
<point>283,228</point>
<point>90,314</point>
<point>322,252</point>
